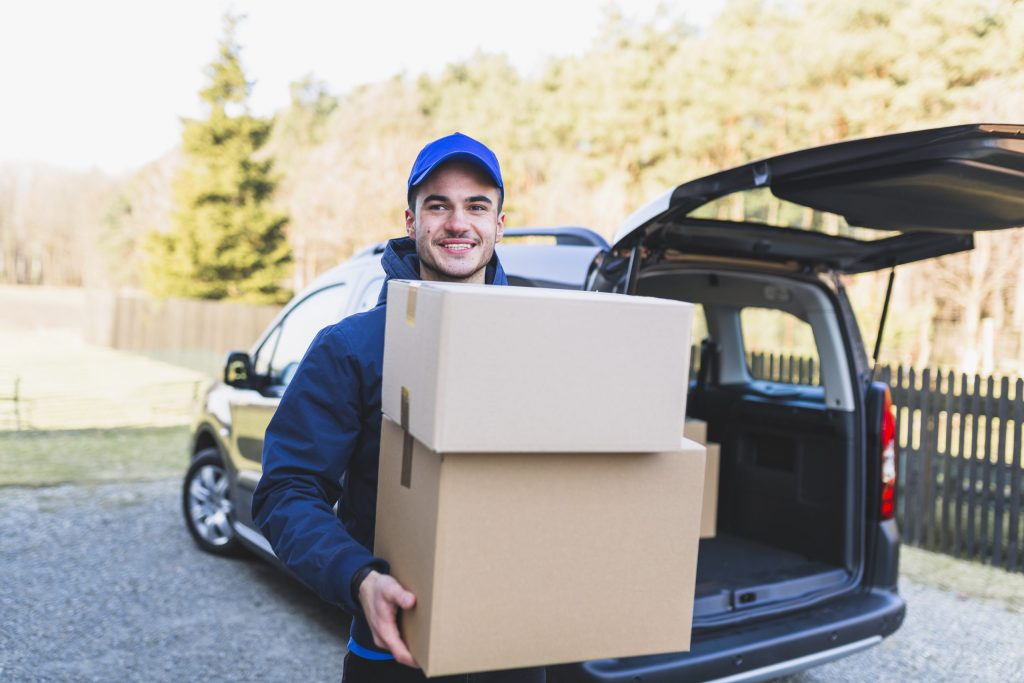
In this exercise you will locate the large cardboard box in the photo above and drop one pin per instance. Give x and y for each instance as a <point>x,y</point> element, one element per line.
<point>480,368</point>
<point>525,559</point>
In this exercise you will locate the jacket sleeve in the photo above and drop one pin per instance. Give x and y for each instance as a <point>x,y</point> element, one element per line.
<point>307,448</point>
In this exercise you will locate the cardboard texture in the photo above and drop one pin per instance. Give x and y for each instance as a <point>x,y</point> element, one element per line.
<point>522,369</point>
<point>526,559</point>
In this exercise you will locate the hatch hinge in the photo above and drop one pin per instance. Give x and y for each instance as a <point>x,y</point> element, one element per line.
<point>762,174</point>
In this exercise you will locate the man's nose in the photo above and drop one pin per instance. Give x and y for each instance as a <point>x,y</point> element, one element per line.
<point>458,221</point>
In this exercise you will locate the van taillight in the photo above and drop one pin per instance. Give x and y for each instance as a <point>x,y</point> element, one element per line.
<point>887,501</point>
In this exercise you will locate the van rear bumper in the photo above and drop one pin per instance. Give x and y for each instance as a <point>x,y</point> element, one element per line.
<point>761,650</point>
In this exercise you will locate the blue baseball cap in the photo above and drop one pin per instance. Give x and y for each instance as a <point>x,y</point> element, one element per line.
<point>451,148</point>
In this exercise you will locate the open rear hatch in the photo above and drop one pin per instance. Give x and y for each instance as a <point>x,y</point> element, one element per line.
<point>852,206</point>
<point>789,463</point>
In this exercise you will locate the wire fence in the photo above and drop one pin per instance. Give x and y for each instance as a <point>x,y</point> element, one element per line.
<point>159,404</point>
<point>78,359</point>
<point>54,380</point>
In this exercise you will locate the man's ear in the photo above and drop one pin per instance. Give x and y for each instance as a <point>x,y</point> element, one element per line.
<point>501,228</point>
<point>410,223</point>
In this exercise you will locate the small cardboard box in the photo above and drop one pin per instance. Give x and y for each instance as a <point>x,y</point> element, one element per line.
<point>696,429</point>
<point>529,559</point>
<point>709,512</point>
<point>480,368</point>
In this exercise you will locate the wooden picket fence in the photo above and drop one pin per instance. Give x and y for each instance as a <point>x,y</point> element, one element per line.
<point>961,478</point>
<point>187,332</point>
<point>960,472</point>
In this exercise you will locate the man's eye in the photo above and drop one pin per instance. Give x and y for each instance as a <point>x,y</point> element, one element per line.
<point>436,207</point>
<point>478,207</point>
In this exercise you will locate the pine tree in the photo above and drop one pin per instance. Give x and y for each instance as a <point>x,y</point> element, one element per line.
<point>226,241</point>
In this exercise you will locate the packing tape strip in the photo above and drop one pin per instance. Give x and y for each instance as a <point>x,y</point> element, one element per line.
<point>406,477</point>
<point>410,304</point>
<point>405,408</point>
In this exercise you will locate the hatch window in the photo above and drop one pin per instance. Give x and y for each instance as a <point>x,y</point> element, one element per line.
<point>698,333</point>
<point>699,327</point>
<point>760,206</point>
<point>779,347</point>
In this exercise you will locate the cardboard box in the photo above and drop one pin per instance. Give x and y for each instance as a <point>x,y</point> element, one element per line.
<point>709,500</point>
<point>527,559</point>
<point>696,429</point>
<point>521,369</point>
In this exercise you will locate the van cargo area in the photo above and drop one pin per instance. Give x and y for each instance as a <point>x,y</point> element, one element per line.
<point>784,489</point>
<point>787,532</point>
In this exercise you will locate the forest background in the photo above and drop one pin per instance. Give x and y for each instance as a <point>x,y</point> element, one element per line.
<point>592,137</point>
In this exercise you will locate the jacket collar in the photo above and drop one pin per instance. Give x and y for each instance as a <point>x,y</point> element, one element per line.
<point>401,263</point>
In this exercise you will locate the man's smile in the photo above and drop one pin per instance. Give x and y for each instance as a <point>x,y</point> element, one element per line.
<point>456,246</point>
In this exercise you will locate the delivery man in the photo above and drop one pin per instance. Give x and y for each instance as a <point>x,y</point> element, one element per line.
<point>322,444</point>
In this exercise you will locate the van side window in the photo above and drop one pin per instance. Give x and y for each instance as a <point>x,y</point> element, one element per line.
<point>279,355</point>
<point>261,361</point>
<point>779,347</point>
<point>370,295</point>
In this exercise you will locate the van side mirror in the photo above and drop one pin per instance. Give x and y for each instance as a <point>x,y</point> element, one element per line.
<point>238,370</point>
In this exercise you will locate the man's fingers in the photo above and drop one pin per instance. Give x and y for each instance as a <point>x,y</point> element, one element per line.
<point>402,654</point>
<point>394,592</point>
<point>381,612</point>
<point>406,658</point>
<point>394,643</point>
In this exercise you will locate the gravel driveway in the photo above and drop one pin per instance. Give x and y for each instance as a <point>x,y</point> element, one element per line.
<point>104,584</point>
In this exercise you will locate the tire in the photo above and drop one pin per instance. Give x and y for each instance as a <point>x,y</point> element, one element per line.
<point>206,504</point>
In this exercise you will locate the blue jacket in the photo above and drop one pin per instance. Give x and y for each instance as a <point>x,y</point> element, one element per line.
<point>322,445</point>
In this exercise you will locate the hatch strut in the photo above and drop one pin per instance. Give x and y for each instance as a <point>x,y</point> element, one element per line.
<point>633,271</point>
<point>881,323</point>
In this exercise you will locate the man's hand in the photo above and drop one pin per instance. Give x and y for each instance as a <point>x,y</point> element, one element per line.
<point>381,597</point>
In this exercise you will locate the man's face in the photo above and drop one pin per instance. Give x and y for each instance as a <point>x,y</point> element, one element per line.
<point>456,223</point>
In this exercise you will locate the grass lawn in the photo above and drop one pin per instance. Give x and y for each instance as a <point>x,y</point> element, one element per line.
<point>43,458</point>
<point>86,414</point>
<point>963,577</point>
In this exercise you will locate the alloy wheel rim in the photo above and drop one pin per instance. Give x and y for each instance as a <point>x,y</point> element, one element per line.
<point>209,506</point>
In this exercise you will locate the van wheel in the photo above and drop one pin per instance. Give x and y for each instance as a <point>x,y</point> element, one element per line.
<point>206,503</point>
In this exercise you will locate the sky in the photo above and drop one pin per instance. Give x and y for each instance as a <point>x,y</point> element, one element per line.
<point>104,83</point>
